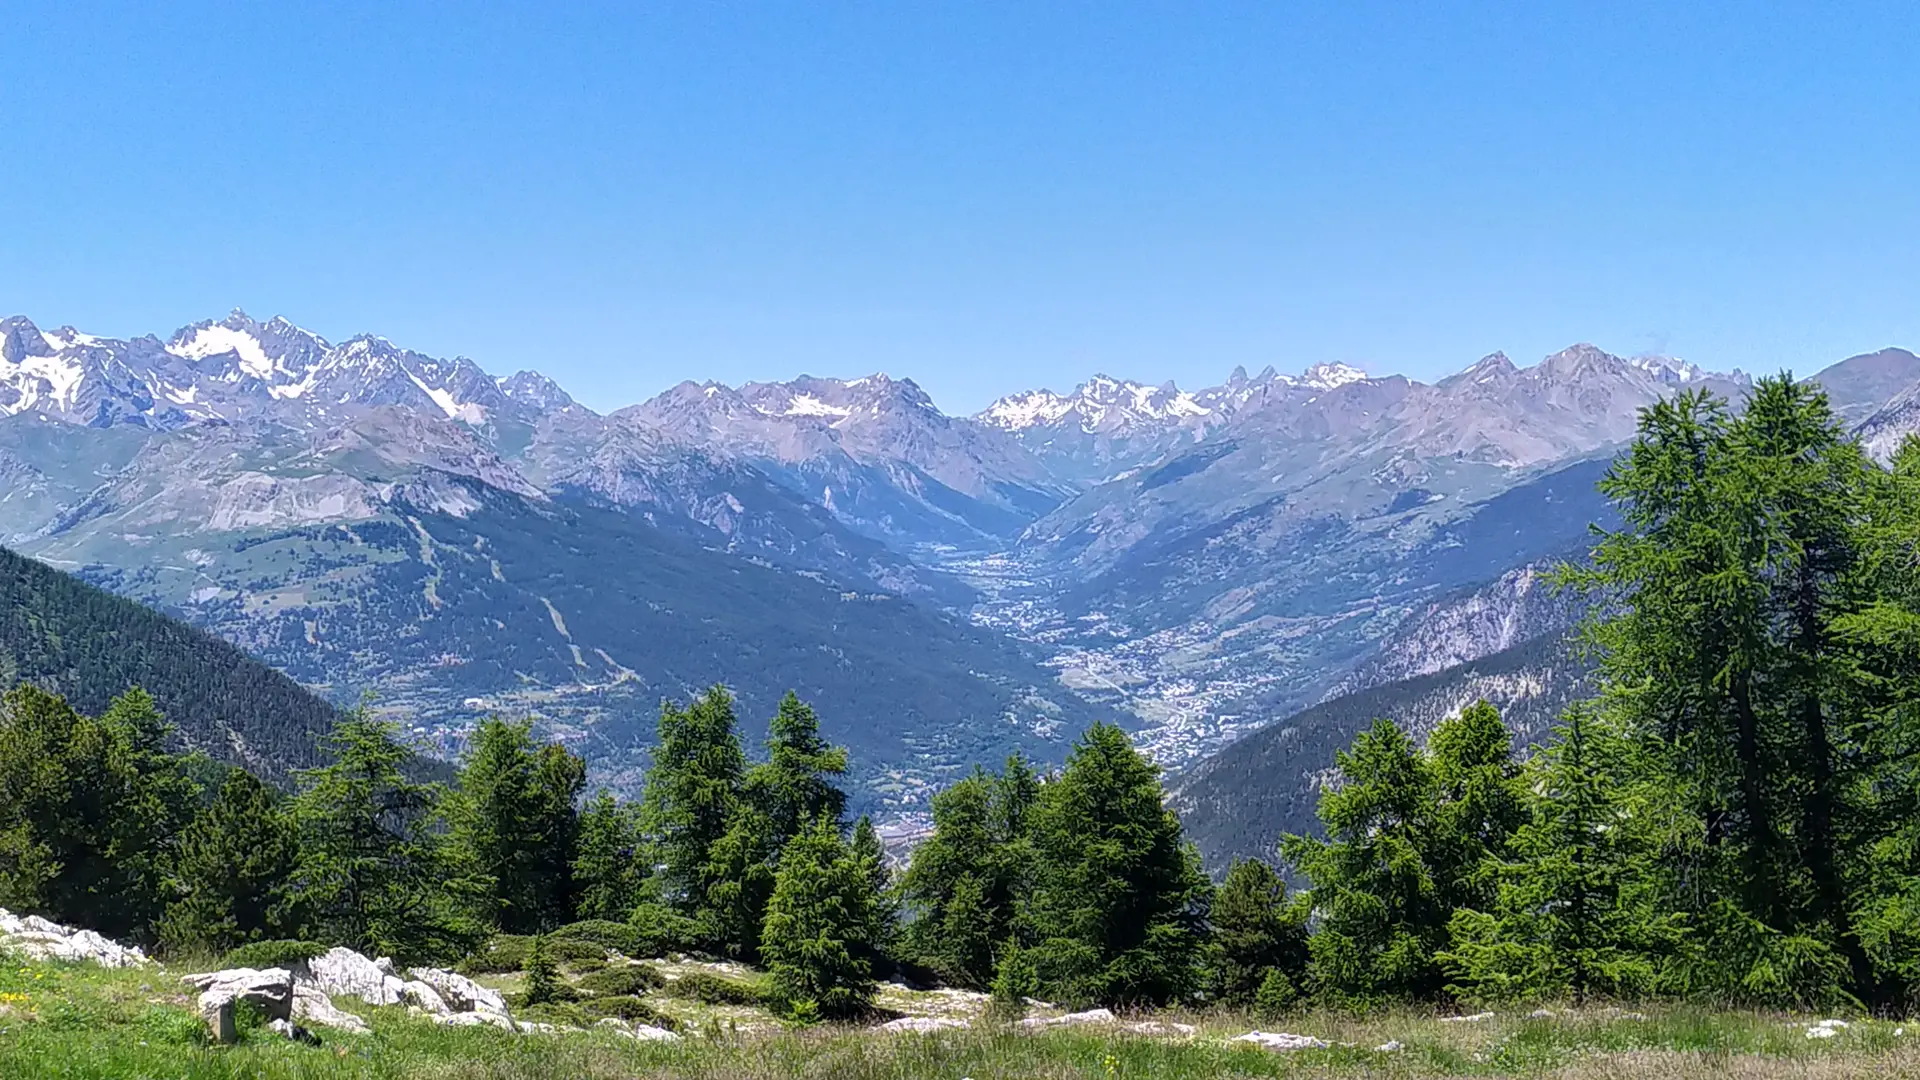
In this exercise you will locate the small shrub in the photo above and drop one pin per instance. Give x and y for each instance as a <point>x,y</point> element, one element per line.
<point>587,966</point>
<point>710,989</point>
<point>601,932</point>
<point>543,978</point>
<point>629,1008</point>
<point>1275,996</point>
<point>624,980</point>
<point>556,1012</point>
<point>803,1013</point>
<point>172,1027</point>
<point>1014,981</point>
<point>659,930</point>
<point>272,954</point>
<point>501,954</point>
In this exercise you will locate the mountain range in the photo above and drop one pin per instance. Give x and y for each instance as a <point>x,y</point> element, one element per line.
<point>1194,563</point>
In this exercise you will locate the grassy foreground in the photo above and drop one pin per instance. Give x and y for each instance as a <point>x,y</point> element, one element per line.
<point>79,1021</point>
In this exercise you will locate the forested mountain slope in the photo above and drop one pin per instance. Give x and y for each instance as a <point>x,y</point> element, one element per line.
<point>90,645</point>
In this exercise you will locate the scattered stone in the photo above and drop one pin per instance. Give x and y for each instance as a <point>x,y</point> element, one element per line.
<point>1280,1041</point>
<point>1161,1028</point>
<point>223,992</point>
<point>1827,1029</point>
<point>1540,1014</point>
<point>1899,1031</point>
<point>460,992</point>
<point>639,1032</point>
<point>1091,1016</point>
<point>478,1018</point>
<point>1391,1046</point>
<point>294,1032</point>
<point>1474,1019</point>
<point>923,1023</point>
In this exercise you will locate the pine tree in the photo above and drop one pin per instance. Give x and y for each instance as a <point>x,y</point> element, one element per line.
<point>953,930</point>
<point>740,881</point>
<point>1578,912</point>
<point>1120,904</point>
<point>542,984</point>
<point>1014,981</point>
<point>90,810</point>
<point>692,794</point>
<point>237,877</point>
<point>607,864</point>
<point>1380,910</point>
<point>886,905</point>
<point>817,926</point>
<point>1478,803</point>
<point>1256,932</point>
<point>383,880</point>
<point>1275,995</point>
<point>514,822</point>
<point>795,786</point>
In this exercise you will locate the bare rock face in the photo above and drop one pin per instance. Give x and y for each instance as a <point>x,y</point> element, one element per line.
<point>222,993</point>
<point>637,1032</point>
<point>1076,1019</point>
<point>312,1005</point>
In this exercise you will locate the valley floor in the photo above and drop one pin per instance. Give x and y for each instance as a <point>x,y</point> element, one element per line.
<point>71,1021</point>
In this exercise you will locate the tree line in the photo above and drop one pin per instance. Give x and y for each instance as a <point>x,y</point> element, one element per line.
<point>1735,816</point>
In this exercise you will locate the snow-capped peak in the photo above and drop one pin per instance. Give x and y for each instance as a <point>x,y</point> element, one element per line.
<point>1329,376</point>
<point>1099,402</point>
<point>1668,369</point>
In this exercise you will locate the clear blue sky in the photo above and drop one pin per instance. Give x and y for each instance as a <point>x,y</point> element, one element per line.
<point>981,196</point>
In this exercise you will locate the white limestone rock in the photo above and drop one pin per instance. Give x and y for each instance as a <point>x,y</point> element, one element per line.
<point>1280,1041</point>
<point>924,1023</point>
<point>460,992</point>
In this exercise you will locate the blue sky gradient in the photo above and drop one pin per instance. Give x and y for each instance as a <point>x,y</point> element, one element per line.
<point>981,196</point>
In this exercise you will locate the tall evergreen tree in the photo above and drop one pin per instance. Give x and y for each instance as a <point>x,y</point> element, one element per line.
<point>608,865</point>
<point>1381,914</point>
<point>692,793</point>
<point>1478,803</point>
<point>886,904</point>
<point>819,921</point>
<point>384,880</point>
<point>1256,930</point>
<point>1579,911</point>
<point>953,929</point>
<point>795,786</point>
<point>1120,903</point>
<point>237,876</point>
<point>514,822</point>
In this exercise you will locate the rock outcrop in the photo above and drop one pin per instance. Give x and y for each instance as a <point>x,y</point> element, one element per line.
<point>224,993</point>
<point>42,939</point>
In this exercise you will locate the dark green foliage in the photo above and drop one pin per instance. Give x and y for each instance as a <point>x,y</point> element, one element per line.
<point>1014,981</point>
<point>1275,995</point>
<point>659,930</point>
<point>608,864</point>
<point>383,880</point>
<point>1257,933</point>
<point>693,793</point>
<point>90,811</point>
<point>497,955</point>
<point>1578,912</point>
<point>271,954</point>
<point>1381,915</point>
<point>819,921</point>
<point>515,825</point>
<point>542,983</point>
<point>796,785</point>
<point>629,1008</point>
<point>969,883</point>
<point>90,646</point>
<point>1119,906</point>
<point>603,933</point>
<point>713,989</point>
<point>623,979</point>
<point>236,877</point>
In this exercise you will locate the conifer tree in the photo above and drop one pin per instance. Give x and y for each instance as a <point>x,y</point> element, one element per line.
<point>816,940</point>
<point>383,879</point>
<point>740,881</point>
<point>1382,917</point>
<point>237,875</point>
<point>1256,931</point>
<point>886,905</point>
<point>1578,912</point>
<point>953,930</point>
<point>1014,981</point>
<point>608,864</point>
<point>542,983</point>
<point>795,786</point>
<point>514,822</point>
<point>692,794</point>
<point>1120,902</point>
<point>1478,803</point>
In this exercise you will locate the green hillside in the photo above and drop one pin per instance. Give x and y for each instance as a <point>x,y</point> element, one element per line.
<point>90,645</point>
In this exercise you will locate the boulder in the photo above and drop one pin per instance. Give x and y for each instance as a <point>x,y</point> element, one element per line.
<point>312,1005</point>
<point>1391,1046</point>
<point>223,993</point>
<point>1473,1019</point>
<point>421,996</point>
<point>294,1032</point>
<point>640,1032</point>
<point>1160,1028</point>
<point>477,1018</point>
<point>1280,1040</point>
<point>342,971</point>
<point>460,992</point>
<point>43,939</point>
<point>923,1023</point>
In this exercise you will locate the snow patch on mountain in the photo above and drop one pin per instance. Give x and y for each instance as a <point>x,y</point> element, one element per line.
<point>216,339</point>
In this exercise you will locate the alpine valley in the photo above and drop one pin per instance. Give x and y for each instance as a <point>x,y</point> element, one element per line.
<point>1240,574</point>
